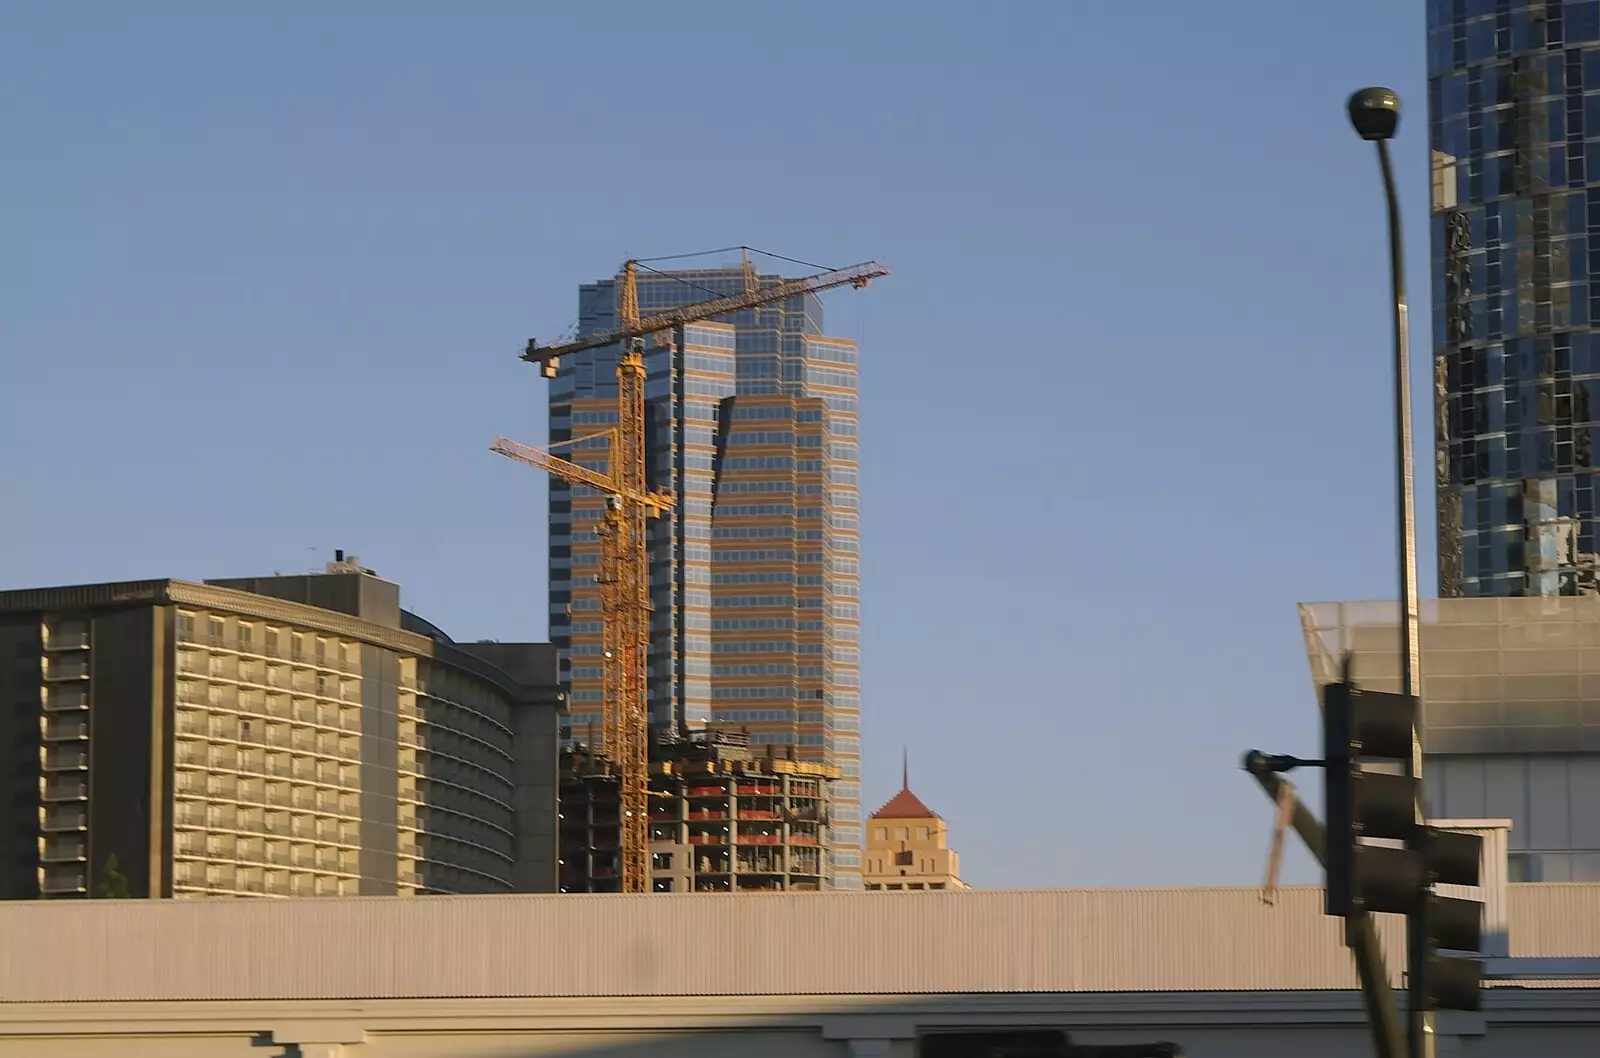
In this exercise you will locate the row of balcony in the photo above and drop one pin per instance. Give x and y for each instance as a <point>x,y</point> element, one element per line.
<point>336,825</point>
<point>753,789</point>
<point>326,860</point>
<point>294,654</point>
<point>189,689</point>
<point>710,871</point>
<point>304,769</point>
<point>302,709</point>
<point>328,802</point>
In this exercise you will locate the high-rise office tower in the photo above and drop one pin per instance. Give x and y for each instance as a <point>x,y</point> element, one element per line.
<point>755,573</point>
<point>1514,131</point>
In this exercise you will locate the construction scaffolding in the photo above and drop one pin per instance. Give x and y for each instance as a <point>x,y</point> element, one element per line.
<point>723,818</point>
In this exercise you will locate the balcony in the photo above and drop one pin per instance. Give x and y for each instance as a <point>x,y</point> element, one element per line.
<point>66,667</point>
<point>76,789</point>
<point>58,818</point>
<point>63,882</point>
<point>189,816</point>
<point>63,728</point>
<point>74,756</point>
<point>64,639</point>
<point>61,699</point>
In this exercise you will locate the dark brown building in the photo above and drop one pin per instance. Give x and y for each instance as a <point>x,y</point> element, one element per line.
<point>269,736</point>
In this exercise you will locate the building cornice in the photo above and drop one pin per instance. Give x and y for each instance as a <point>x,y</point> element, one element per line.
<point>266,607</point>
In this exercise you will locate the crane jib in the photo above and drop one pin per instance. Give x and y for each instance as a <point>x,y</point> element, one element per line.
<point>858,275</point>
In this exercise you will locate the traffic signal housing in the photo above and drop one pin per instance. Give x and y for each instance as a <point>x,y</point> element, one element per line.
<point>1369,796</point>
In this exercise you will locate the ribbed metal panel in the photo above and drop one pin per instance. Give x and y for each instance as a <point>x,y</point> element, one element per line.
<point>1555,919</point>
<point>795,944</point>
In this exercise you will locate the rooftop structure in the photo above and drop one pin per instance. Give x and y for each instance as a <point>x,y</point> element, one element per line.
<point>1513,675</point>
<point>1511,713</point>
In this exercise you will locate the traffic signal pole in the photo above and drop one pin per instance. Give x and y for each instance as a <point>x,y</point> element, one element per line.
<point>1420,1015</point>
<point>1375,115</point>
<point>1361,937</point>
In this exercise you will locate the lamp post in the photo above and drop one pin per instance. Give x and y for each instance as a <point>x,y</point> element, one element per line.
<point>1375,115</point>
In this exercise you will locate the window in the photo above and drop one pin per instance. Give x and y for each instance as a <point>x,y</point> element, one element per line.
<point>922,833</point>
<point>903,859</point>
<point>900,833</point>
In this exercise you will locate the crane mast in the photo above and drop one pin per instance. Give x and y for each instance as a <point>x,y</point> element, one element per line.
<point>624,577</point>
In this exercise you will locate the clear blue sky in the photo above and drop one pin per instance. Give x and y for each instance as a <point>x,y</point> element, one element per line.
<point>1125,398</point>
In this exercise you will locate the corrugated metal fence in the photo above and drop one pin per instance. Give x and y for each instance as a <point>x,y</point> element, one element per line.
<point>796,944</point>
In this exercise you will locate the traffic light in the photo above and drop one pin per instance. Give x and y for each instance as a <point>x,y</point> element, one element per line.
<point>1361,728</point>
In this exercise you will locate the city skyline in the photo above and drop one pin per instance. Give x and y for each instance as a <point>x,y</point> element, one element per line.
<point>287,315</point>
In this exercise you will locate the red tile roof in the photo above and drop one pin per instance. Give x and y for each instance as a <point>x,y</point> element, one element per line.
<point>905,805</point>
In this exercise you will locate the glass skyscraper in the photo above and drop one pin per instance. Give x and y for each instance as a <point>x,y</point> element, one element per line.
<point>1514,131</point>
<point>755,574</point>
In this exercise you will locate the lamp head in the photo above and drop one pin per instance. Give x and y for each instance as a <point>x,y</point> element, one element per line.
<point>1375,113</point>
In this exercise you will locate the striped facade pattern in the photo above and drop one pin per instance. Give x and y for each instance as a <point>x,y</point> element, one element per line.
<point>262,778</point>
<point>958,942</point>
<point>755,574</point>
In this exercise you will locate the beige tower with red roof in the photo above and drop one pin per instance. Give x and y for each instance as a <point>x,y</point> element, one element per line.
<point>908,846</point>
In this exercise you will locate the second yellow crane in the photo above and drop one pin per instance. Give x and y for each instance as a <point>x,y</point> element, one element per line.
<point>624,576</point>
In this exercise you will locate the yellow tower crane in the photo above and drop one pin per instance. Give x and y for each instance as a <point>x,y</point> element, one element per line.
<point>624,576</point>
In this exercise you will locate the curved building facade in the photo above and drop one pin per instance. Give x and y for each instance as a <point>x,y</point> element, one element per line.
<point>1514,131</point>
<point>279,736</point>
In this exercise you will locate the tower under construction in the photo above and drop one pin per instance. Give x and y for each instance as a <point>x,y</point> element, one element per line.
<point>723,818</point>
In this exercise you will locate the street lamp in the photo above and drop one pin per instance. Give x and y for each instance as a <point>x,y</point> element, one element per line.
<point>1375,115</point>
